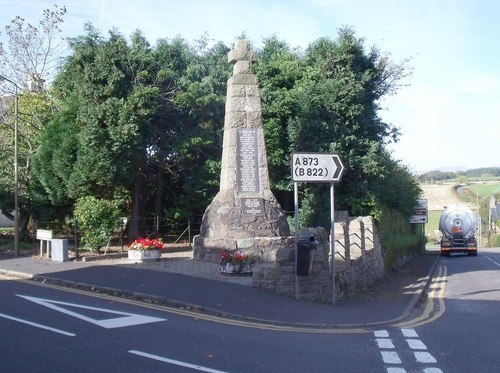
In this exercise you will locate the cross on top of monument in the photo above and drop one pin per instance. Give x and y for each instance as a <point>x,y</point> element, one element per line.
<point>241,52</point>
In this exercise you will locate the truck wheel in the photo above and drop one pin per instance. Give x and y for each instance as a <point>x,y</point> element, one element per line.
<point>472,253</point>
<point>445,253</point>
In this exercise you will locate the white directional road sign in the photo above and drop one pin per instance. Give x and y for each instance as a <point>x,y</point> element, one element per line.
<point>316,167</point>
<point>420,213</point>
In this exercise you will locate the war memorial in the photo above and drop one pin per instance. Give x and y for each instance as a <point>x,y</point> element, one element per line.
<point>245,215</point>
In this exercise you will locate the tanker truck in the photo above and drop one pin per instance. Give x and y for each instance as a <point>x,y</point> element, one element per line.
<point>457,225</point>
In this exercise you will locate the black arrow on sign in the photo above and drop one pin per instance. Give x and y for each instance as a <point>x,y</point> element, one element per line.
<point>339,168</point>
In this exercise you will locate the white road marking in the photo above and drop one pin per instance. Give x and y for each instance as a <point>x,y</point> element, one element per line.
<point>381,333</point>
<point>125,319</point>
<point>491,260</point>
<point>409,333</point>
<point>424,357</point>
<point>384,343</point>
<point>416,344</point>
<point>175,362</point>
<point>37,325</point>
<point>390,357</point>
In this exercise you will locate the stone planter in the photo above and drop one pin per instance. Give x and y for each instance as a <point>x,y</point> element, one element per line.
<point>144,255</point>
<point>236,269</point>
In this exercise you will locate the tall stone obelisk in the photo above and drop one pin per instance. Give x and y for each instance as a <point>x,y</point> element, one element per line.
<point>244,215</point>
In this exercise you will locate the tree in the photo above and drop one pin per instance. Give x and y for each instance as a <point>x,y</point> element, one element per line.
<point>27,58</point>
<point>145,123</point>
<point>327,101</point>
<point>142,121</point>
<point>32,52</point>
<point>109,107</point>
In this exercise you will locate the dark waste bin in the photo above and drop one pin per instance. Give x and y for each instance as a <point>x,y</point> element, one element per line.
<point>305,254</point>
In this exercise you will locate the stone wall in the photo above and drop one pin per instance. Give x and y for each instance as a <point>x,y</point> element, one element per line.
<point>358,264</point>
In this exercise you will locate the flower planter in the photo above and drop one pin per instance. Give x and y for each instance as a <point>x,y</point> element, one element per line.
<point>144,255</point>
<point>236,268</point>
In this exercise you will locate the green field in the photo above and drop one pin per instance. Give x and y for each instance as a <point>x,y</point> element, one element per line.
<point>485,190</point>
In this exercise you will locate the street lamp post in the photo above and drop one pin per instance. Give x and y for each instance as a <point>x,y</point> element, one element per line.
<point>16,189</point>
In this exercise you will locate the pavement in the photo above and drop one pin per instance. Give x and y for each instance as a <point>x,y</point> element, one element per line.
<point>178,281</point>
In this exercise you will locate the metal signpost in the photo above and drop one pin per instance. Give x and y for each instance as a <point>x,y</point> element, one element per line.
<point>316,168</point>
<point>420,216</point>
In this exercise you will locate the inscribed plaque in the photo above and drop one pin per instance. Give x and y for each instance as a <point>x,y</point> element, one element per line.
<point>248,160</point>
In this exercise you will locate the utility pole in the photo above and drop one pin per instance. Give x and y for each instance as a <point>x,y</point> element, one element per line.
<point>16,188</point>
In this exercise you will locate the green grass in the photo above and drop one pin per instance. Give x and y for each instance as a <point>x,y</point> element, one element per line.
<point>433,221</point>
<point>485,190</point>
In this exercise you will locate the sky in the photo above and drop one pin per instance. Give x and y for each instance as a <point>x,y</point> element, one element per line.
<point>447,112</point>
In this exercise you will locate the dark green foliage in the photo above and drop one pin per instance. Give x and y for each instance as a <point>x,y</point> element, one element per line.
<point>146,122</point>
<point>400,240</point>
<point>326,100</point>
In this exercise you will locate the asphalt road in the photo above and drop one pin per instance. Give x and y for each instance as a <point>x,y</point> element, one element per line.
<point>465,337</point>
<point>46,329</point>
<point>50,330</point>
<point>460,324</point>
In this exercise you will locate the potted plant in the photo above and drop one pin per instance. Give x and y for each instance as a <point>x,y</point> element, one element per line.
<point>145,249</point>
<point>235,262</point>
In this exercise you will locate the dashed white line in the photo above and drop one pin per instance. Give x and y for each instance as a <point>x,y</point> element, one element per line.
<point>176,362</point>
<point>396,370</point>
<point>491,260</point>
<point>416,344</point>
<point>409,333</point>
<point>37,325</point>
<point>425,357</point>
<point>390,357</point>
<point>381,333</point>
<point>384,343</point>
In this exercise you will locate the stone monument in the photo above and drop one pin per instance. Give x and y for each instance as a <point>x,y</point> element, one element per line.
<point>244,215</point>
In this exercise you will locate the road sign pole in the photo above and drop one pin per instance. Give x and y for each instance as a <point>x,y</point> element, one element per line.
<point>296,203</point>
<point>316,168</point>
<point>332,239</point>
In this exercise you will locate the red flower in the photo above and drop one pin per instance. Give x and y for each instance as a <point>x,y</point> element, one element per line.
<point>142,244</point>
<point>235,257</point>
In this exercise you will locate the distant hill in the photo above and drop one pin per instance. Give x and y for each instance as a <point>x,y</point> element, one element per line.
<point>439,175</point>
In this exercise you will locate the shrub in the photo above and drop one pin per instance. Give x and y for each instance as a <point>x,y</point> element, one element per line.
<point>96,219</point>
<point>494,240</point>
<point>400,240</point>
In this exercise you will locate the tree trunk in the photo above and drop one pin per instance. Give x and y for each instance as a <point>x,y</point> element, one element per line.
<point>137,227</point>
<point>160,180</point>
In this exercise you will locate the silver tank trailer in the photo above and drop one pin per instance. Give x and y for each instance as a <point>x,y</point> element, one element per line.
<point>458,225</point>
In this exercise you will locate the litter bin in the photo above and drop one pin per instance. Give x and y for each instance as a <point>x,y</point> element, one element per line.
<point>305,254</point>
<point>59,250</point>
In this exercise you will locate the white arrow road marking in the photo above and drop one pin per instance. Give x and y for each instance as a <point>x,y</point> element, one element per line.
<point>126,319</point>
<point>37,325</point>
<point>176,362</point>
